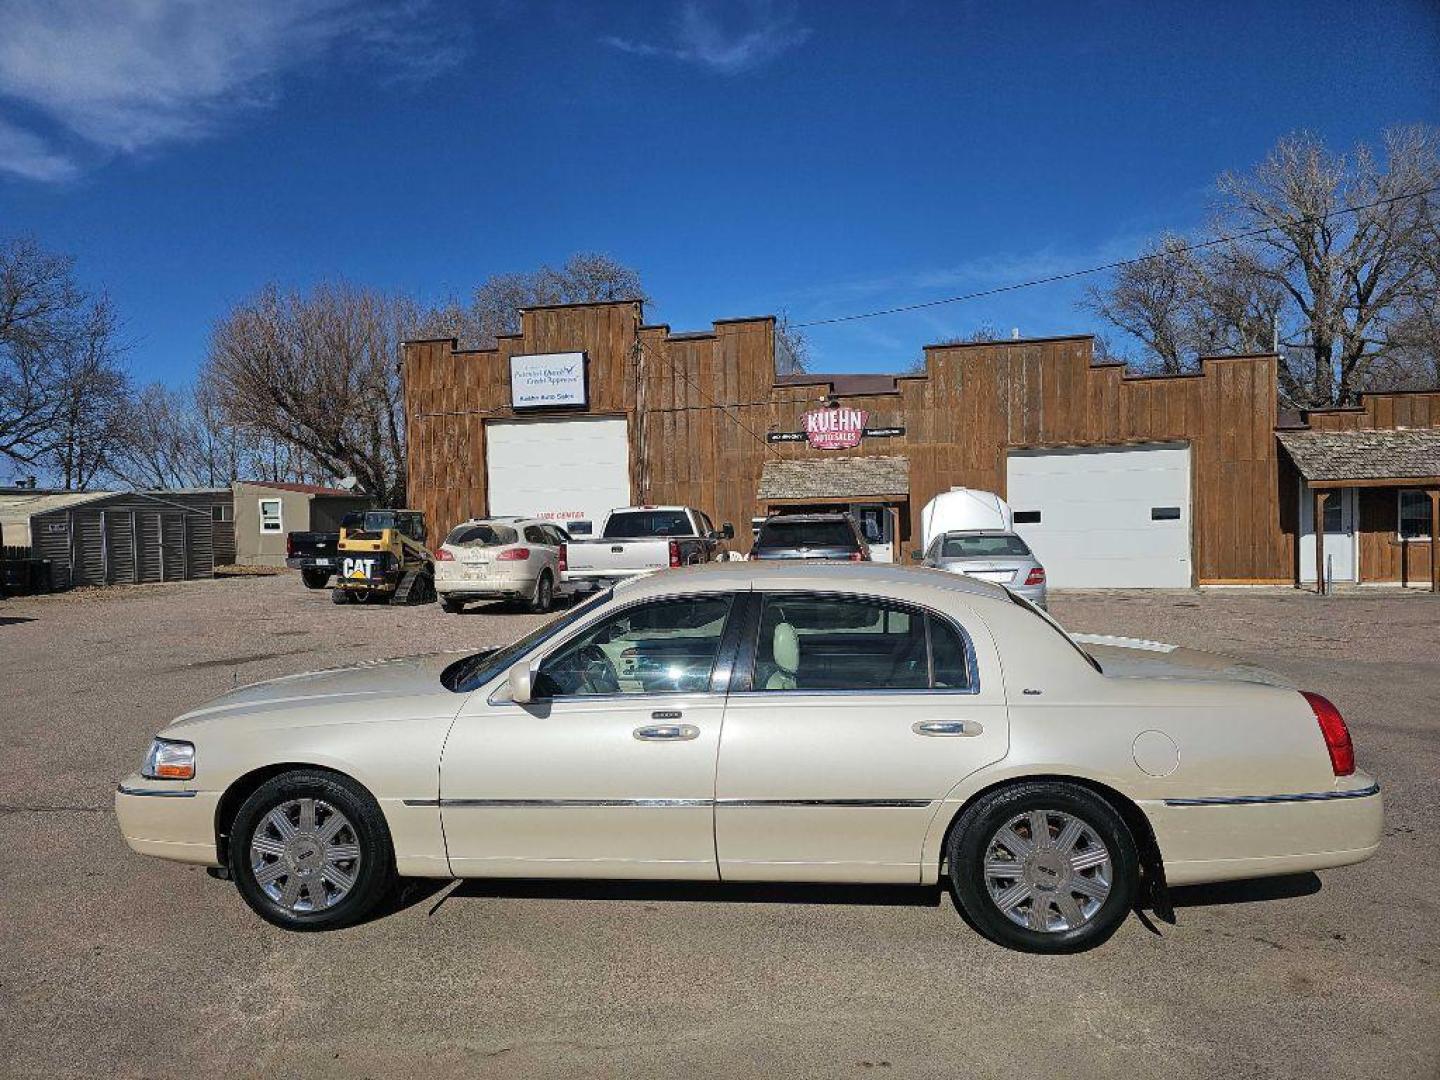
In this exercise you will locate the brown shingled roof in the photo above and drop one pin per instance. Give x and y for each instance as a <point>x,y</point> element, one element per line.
<point>1363,455</point>
<point>833,478</point>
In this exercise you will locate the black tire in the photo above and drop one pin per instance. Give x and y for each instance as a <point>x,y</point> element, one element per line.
<point>374,871</point>
<point>966,852</point>
<point>315,579</point>
<point>340,596</point>
<point>451,607</point>
<point>544,598</point>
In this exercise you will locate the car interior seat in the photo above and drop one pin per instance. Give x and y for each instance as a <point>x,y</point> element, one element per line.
<point>785,650</point>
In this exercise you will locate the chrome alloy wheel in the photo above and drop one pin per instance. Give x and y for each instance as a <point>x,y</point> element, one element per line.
<point>305,855</point>
<point>1047,871</point>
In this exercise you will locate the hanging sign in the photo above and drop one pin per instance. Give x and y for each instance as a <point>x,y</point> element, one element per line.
<point>547,380</point>
<point>884,432</point>
<point>834,429</point>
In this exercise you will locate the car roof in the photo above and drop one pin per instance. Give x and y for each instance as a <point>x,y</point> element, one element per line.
<point>893,579</point>
<point>979,532</point>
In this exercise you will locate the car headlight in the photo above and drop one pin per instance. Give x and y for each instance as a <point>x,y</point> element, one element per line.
<point>170,759</point>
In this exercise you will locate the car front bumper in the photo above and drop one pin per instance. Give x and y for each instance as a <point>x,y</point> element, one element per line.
<point>168,820</point>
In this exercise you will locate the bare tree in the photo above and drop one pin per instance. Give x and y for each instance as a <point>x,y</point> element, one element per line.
<point>792,347</point>
<point>91,399</point>
<point>1341,294</point>
<point>986,331</point>
<point>60,373</point>
<point>318,374</point>
<point>494,308</point>
<point>162,445</point>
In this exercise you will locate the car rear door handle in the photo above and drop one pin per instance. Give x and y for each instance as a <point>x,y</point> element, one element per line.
<point>667,732</point>
<point>946,727</point>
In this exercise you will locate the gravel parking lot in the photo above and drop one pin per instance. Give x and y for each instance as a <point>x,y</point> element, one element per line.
<point>115,964</point>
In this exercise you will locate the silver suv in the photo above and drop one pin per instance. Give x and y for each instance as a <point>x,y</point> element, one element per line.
<point>990,555</point>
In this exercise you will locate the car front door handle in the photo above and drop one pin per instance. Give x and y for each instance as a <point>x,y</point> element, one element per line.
<point>946,727</point>
<point>667,732</point>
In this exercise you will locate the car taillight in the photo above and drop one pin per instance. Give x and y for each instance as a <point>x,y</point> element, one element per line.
<point>513,555</point>
<point>441,555</point>
<point>857,556</point>
<point>289,545</point>
<point>1337,735</point>
<point>1036,576</point>
<point>674,553</point>
<point>564,555</point>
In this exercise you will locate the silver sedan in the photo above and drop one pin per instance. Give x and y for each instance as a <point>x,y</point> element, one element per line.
<point>991,555</point>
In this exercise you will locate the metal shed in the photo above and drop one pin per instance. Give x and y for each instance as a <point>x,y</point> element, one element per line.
<point>111,538</point>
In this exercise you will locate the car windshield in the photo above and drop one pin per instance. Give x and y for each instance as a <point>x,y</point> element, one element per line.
<point>482,535</point>
<point>473,672</point>
<point>806,534</point>
<point>636,523</point>
<point>981,546</point>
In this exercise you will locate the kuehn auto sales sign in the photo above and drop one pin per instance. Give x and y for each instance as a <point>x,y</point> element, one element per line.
<point>547,380</point>
<point>834,429</point>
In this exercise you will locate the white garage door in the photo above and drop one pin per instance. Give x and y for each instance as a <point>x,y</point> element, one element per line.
<point>1105,517</point>
<point>568,470</point>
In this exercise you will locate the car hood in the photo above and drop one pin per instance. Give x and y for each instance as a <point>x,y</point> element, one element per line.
<point>338,693</point>
<point>1136,658</point>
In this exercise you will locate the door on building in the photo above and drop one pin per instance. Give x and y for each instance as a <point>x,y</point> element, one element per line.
<point>573,470</point>
<point>1339,525</point>
<point>1105,517</point>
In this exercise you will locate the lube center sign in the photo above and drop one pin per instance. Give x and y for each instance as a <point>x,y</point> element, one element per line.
<point>547,380</point>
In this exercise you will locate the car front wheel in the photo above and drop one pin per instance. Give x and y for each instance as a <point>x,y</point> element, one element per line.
<point>1044,867</point>
<point>310,850</point>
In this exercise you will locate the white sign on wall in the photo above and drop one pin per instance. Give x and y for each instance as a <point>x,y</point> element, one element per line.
<point>547,380</point>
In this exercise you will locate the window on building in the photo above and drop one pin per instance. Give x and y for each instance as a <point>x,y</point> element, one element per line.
<point>222,512</point>
<point>1414,510</point>
<point>270,521</point>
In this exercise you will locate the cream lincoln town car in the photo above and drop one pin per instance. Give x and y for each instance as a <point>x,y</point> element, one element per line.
<point>768,722</point>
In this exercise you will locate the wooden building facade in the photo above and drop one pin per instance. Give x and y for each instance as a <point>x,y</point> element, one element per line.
<point>704,415</point>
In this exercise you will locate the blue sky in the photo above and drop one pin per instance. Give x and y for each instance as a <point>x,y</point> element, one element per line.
<point>745,157</point>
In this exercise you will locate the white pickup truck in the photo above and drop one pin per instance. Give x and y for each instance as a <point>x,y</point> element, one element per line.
<point>640,540</point>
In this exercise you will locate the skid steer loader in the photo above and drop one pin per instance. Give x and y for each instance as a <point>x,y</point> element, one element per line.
<point>382,558</point>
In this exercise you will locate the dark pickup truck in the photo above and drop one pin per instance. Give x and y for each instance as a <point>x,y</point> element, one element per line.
<point>314,555</point>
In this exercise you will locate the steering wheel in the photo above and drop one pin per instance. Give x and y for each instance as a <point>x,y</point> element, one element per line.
<point>597,673</point>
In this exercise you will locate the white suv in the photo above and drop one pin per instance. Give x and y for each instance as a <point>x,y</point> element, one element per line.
<point>514,559</point>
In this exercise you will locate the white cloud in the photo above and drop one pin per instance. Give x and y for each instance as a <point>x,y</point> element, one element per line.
<point>128,75</point>
<point>26,154</point>
<point>702,37</point>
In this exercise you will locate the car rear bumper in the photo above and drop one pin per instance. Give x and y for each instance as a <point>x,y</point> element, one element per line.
<point>311,562</point>
<point>1219,839</point>
<point>167,820</point>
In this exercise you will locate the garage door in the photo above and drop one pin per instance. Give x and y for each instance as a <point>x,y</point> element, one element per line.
<point>1105,517</point>
<point>568,470</point>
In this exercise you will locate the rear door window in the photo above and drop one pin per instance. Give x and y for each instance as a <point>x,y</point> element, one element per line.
<point>813,642</point>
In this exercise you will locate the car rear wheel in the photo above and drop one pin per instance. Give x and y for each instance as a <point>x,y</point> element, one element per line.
<point>311,851</point>
<point>544,598</point>
<point>1044,867</point>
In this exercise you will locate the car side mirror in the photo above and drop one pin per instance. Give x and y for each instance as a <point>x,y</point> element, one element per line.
<point>727,531</point>
<point>521,679</point>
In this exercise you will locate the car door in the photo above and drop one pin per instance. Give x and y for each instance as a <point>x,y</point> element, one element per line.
<point>610,770</point>
<point>849,719</point>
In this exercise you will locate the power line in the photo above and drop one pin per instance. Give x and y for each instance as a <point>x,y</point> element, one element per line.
<point>1167,253</point>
